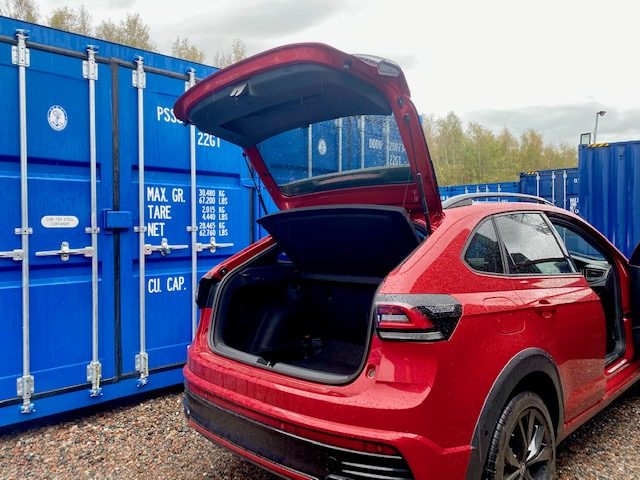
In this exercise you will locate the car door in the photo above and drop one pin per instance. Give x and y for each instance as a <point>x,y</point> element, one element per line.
<point>635,294</point>
<point>605,271</point>
<point>561,311</point>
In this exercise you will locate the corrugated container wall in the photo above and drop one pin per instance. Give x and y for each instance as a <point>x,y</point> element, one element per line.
<point>610,193</point>
<point>373,141</point>
<point>560,187</point>
<point>111,212</point>
<point>449,191</point>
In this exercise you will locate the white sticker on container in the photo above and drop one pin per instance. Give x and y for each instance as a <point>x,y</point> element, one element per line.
<point>322,146</point>
<point>59,221</point>
<point>57,118</point>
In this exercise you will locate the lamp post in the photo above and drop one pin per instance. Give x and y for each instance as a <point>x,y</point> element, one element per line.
<point>595,130</point>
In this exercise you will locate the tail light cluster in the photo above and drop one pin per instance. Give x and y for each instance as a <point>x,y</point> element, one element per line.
<point>416,317</point>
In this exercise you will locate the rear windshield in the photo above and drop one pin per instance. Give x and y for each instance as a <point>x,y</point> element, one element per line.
<point>346,152</point>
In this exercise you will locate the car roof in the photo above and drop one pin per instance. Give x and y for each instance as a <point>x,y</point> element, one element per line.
<point>476,212</point>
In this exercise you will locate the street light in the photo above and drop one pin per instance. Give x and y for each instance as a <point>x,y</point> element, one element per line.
<point>595,130</point>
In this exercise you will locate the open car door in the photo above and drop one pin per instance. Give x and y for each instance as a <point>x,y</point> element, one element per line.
<point>634,270</point>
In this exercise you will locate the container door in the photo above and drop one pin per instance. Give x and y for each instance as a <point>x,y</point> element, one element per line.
<point>52,331</point>
<point>571,198</point>
<point>181,232</point>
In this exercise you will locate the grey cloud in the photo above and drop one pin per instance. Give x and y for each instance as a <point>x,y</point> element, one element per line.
<point>258,19</point>
<point>258,23</point>
<point>119,3</point>
<point>564,123</point>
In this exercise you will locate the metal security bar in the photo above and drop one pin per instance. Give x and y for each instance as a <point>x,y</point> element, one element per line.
<point>142,358</point>
<point>21,58</point>
<point>193,228</point>
<point>94,368</point>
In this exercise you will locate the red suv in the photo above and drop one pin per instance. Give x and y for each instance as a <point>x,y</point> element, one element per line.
<point>376,333</point>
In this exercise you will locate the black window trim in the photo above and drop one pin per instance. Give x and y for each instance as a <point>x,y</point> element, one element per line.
<point>506,273</point>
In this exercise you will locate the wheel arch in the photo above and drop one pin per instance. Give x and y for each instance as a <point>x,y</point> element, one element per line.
<point>533,370</point>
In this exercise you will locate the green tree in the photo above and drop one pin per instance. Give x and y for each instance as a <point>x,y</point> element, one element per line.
<point>474,154</point>
<point>131,31</point>
<point>26,10</point>
<point>233,54</point>
<point>182,48</point>
<point>65,18</point>
<point>530,154</point>
<point>84,21</point>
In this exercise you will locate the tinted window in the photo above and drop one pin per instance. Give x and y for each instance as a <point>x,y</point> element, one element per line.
<point>316,157</point>
<point>531,245</point>
<point>577,245</point>
<point>483,252</point>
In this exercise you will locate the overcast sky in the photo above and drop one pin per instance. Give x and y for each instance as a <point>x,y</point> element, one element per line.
<point>548,64</point>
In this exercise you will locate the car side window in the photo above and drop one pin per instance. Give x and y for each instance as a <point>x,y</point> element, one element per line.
<point>483,252</point>
<point>577,245</point>
<point>531,246</point>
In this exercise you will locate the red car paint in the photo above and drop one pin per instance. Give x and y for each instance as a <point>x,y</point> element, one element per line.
<point>426,401</point>
<point>394,88</point>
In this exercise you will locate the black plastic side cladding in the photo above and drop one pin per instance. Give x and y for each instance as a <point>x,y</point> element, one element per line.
<point>529,361</point>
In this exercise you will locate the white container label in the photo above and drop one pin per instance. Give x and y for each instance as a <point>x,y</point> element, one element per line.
<point>59,221</point>
<point>57,118</point>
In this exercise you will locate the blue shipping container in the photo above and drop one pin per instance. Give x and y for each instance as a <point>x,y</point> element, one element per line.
<point>349,143</point>
<point>449,191</point>
<point>112,211</point>
<point>610,193</point>
<point>560,187</point>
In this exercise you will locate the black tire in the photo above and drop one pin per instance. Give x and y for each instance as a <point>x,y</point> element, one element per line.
<point>523,445</point>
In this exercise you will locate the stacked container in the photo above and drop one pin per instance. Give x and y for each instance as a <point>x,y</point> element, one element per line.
<point>610,193</point>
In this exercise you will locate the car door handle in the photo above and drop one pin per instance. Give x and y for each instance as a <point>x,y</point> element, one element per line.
<point>545,307</point>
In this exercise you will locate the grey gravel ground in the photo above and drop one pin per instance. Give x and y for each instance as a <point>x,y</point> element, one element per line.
<point>151,440</point>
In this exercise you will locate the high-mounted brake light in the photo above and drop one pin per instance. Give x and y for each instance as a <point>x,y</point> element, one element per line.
<point>385,67</point>
<point>419,318</point>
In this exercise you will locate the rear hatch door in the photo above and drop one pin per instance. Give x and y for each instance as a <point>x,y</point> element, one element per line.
<point>321,127</point>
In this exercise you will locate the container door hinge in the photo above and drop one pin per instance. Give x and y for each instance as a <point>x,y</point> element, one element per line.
<point>20,55</point>
<point>24,231</point>
<point>142,367</point>
<point>94,375</point>
<point>25,390</point>
<point>89,66</point>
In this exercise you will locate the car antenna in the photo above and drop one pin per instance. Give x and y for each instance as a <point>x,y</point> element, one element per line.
<point>263,207</point>
<point>423,196</point>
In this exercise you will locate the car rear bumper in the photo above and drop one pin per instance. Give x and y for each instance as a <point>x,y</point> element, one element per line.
<point>283,447</point>
<point>278,450</point>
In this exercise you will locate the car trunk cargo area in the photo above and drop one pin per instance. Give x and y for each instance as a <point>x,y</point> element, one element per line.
<point>304,307</point>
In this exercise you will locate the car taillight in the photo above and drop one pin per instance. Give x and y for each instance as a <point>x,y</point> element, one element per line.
<point>418,318</point>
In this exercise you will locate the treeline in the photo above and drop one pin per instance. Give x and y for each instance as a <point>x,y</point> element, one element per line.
<point>132,31</point>
<point>461,153</point>
<point>474,154</point>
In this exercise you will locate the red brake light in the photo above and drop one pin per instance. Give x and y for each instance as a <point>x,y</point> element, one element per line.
<point>422,318</point>
<point>401,317</point>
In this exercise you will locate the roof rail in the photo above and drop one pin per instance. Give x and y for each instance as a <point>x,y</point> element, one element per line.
<point>468,198</point>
